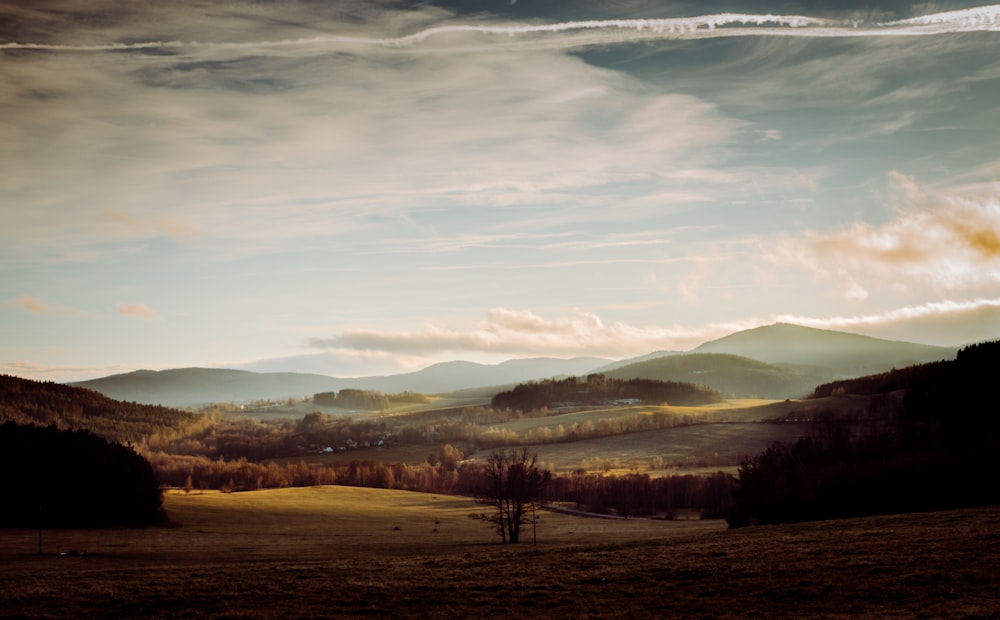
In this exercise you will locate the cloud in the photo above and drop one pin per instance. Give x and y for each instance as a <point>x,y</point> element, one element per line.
<point>590,32</point>
<point>947,322</point>
<point>37,306</point>
<point>523,333</point>
<point>946,241</point>
<point>256,142</point>
<point>137,310</point>
<point>60,374</point>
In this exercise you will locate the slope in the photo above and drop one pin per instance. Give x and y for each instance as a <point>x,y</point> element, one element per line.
<point>733,375</point>
<point>843,353</point>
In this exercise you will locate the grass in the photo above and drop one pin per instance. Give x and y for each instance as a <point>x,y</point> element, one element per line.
<point>695,448</point>
<point>722,435</point>
<point>335,551</point>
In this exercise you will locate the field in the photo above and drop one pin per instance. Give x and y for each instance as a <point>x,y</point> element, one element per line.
<point>351,552</point>
<point>718,438</point>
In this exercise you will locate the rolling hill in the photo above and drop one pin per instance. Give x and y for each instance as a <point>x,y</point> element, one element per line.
<point>732,375</point>
<point>842,353</point>
<point>24,401</point>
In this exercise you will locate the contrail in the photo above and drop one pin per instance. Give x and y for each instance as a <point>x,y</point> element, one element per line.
<point>977,19</point>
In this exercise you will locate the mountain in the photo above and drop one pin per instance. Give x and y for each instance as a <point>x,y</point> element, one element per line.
<point>775,361</point>
<point>453,376</point>
<point>839,353</point>
<point>607,368</point>
<point>732,375</point>
<point>188,387</point>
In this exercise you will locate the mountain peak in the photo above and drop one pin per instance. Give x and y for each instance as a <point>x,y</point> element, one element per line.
<point>788,343</point>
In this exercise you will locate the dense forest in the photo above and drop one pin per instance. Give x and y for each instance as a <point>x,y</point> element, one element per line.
<point>600,390</point>
<point>35,402</point>
<point>366,400</point>
<point>933,451</point>
<point>63,478</point>
<point>882,383</point>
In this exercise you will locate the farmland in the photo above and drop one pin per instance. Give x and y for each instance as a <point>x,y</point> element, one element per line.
<point>354,552</point>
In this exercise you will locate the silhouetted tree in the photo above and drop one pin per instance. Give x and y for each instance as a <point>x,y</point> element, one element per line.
<point>511,481</point>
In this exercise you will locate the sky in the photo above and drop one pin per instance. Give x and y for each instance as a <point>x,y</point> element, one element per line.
<point>369,187</point>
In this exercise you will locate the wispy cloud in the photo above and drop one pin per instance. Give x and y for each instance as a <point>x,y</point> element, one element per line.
<point>522,332</point>
<point>58,373</point>
<point>946,322</point>
<point>38,306</point>
<point>586,32</point>
<point>245,148</point>
<point>137,310</point>
<point>509,331</point>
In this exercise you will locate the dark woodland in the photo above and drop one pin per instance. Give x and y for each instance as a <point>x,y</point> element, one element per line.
<point>599,390</point>
<point>60,478</point>
<point>933,452</point>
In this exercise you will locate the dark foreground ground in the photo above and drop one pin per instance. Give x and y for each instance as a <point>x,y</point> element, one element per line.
<point>934,565</point>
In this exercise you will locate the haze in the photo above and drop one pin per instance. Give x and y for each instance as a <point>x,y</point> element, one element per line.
<point>359,188</point>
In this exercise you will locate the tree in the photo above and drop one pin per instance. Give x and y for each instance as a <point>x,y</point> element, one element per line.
<point>64,478</point>
<point>511,480</point>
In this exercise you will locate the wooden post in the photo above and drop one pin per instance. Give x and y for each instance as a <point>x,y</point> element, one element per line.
<point>534,528</point>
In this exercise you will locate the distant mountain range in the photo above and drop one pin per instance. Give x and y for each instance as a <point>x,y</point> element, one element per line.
<point>187,387</point>
<point>775,361</point>
<point>778,361</point>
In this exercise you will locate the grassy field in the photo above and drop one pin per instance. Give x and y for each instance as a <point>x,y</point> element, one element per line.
<point>347,552</point>
<point>723,433</point>
<point>685,449</point>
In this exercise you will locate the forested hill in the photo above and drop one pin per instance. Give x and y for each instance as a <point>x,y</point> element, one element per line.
<point>733,375</point>
<point>598,390</point>
<point>935,449</point>
<point>43,403</point>
<point>882,383</point>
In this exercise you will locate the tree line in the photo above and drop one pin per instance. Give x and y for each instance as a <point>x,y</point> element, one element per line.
<point>367,400</point>
<point>597,389</point>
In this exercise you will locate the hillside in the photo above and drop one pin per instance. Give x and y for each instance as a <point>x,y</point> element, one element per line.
<point>839,353</point>
<point>599,390</point>
<point>188,387</point>
<point>927,442</point>
<point>733,375</point>
<point>43,403</point>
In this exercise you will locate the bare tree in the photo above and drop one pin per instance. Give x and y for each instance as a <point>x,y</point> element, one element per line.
<point>511,481</point>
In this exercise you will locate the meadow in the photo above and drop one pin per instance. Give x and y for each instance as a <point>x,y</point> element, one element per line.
<point>353,552</point>
<point>697,440</point>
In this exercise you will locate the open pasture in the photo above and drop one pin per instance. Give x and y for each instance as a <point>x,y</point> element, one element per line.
<point>734,410</point>
<point>335,552</point>
<point>682,449</point>
<point>719,435</point>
